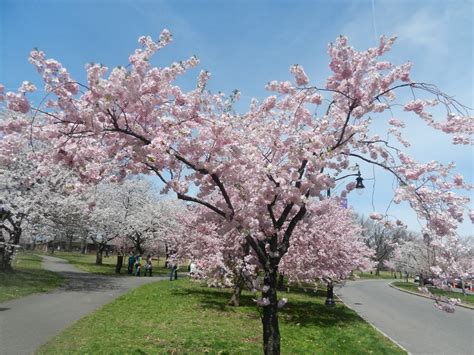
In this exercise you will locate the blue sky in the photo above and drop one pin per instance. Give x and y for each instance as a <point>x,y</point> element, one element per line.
<point>245,44</point>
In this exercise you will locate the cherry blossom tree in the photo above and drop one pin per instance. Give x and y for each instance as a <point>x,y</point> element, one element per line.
<point>327,253</point>
<point>15,194</point>
<point>256,171</point>
<point>110,207</point>
<point>444,260</point>
<point>132,213</point>
<point>454,260</point>
<point>383,239</point>
<point>42,199</point>
<point>221,261</point>
<point>36,202</point>
<point>411,258</point>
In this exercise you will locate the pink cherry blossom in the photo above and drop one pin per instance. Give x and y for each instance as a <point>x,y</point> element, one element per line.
<point>376,216</point>
<point>259,174</point>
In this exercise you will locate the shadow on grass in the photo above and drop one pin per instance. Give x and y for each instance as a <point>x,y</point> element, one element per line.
<point>298,312</point>
<point>213,298</point>
<point>308,313</point>
<point>307,291</point>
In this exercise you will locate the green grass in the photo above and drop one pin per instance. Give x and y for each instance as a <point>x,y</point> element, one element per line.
<point>86,262</point>
<point>183,317</point>
<point>465,299</point>
<point>27,277</point>
<point>368,275</point>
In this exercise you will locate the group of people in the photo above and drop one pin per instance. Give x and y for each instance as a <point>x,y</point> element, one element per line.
<point>134,266</point>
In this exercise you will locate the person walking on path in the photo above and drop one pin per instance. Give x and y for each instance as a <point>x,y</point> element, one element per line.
<point>192,268</point>
<point>131,261</point>
<point>138,269</point>
<point>119,264</point>
<point>138,259</point>
<point>148,265</point>
<point>174,271</point>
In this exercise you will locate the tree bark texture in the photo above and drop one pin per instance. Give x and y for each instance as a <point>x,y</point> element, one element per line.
<point>83,245</point>
<point>167,255</point>
<point>7,251</point>
<point>235,299</point>
<point>6,259</point>
<point>271,331</point>
<point>69,243</point>
<point>98,256</point>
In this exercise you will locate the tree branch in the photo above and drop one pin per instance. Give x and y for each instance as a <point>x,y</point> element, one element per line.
<point>289,231</point>
<point>261,254</point>
<point>214,177</point>
<point>201,202</point>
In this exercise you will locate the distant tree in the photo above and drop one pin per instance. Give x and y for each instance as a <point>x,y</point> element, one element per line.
<point>131,214</point>
<point>412,257</point>
<point>383,239</point>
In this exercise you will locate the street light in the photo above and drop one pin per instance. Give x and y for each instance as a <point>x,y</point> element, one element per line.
<point>359,183</point>
<point>359,189</point>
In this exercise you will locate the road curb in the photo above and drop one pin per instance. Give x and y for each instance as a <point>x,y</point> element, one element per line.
<point>373,326</point>
<point>420,295</point>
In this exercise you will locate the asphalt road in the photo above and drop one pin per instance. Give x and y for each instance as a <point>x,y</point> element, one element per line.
<point>29,322</point>
<point>412,321</point>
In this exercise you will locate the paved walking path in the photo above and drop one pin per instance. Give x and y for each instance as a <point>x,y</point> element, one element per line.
<point>410,320</point>
<point>27,323</point>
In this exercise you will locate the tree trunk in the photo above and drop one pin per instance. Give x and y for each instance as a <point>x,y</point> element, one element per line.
<point>6,258</point>
<point>281,281</point>
<point>69,243</point>
<point>138,244</point>
<point>271,331</point>
<point>240,279</point>
<point>98,256</point>
<point>7,251</point>
<point>235,299</point>
<point>330,294</point>
<point>377,271</point>
<point>16,234</point>
<point>167,255</point>
<point>83,245</point>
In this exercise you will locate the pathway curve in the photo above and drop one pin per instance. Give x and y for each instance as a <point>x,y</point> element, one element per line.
<point>410,320</point>
<point>27,323</point>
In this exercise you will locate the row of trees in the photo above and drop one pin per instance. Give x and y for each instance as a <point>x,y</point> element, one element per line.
<point>53,206</point>
<point>260,174</point>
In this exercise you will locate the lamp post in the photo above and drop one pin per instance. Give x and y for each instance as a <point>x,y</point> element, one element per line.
<point>359,182</point>
<point>359,188</point>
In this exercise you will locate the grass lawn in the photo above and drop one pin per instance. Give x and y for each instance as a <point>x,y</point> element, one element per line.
<point>27,277</point>
<point>86,262</point>
<point>467,299</point>
<point>182,317</point>
<point>368,275</point>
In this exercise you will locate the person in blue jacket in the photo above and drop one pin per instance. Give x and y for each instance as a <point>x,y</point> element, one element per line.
<point>131,262</point>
